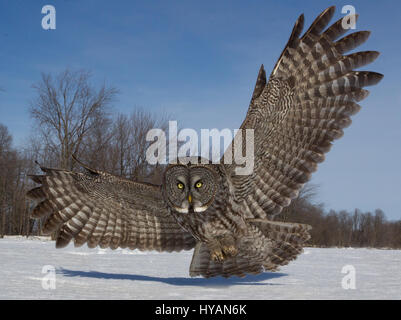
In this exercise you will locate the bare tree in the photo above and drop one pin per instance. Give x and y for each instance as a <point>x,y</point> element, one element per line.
<point>96,146</point>
<point>5,139</point>
<point>130,145</point>
<point>5,149</point>
<point>122,132</point>
<point>299,205</point>
<point>13,213</point>
<point>66,109</point>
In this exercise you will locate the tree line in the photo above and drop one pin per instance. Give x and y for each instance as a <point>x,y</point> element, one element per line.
<point>72,116</point>
<point>342,228</point>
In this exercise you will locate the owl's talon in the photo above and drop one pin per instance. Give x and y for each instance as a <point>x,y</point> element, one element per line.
<point>230,251</point>
<point>217,255</point>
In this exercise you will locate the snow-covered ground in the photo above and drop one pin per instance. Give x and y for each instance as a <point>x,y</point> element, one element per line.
<point>83,273</point>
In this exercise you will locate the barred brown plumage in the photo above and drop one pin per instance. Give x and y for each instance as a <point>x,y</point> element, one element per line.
<point>99,209</point>
<point>311,94</point>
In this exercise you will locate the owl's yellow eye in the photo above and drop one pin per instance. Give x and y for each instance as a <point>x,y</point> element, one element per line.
<point>198,185</point>
<point>180,185</point>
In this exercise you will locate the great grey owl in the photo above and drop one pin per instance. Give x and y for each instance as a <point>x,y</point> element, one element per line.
<point>228,218</point>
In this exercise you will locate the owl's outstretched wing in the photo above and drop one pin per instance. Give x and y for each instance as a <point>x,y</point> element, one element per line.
<point>98,208</point>
<point>296,115</point>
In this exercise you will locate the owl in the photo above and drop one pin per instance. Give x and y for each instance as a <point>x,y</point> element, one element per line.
<point>228,219</point>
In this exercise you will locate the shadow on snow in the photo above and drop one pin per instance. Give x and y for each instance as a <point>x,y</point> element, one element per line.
<point>178,281</point>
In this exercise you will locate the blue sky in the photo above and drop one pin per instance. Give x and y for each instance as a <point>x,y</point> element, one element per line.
<point>198,61</point>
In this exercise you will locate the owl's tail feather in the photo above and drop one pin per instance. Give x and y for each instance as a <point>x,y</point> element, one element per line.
<point>268,246</point>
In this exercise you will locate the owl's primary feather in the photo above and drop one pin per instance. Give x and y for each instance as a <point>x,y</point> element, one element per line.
<point>311,94</point>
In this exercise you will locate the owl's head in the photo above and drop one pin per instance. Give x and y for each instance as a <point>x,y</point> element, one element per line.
<point>190,188</point>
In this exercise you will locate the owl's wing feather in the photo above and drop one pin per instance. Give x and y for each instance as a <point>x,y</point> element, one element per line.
<point>98,208</point>
<point>300,111</point>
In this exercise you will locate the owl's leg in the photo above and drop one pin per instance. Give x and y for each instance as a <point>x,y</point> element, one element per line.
<point>228,246</point>
<point>222,248</point>
<point>216,254</point>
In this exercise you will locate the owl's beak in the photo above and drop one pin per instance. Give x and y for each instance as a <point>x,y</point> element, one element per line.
<point>190,199</point>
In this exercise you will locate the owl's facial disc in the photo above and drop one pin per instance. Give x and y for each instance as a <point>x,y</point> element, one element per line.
<point>190,189</point>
